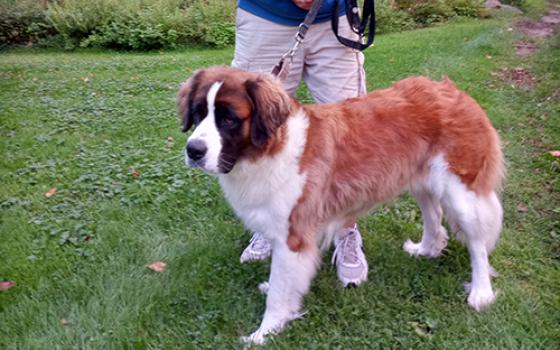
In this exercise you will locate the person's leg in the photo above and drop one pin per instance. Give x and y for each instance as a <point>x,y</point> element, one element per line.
<point>259,45</point>
<point>335,72</point>
<point>332,72</point>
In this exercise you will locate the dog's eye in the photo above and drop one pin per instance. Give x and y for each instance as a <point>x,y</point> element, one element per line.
<point>228,120</point>
<point>226,117</point>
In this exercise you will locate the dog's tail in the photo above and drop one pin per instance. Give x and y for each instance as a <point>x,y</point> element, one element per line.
<point>488,210</point>
<point>491,175</point>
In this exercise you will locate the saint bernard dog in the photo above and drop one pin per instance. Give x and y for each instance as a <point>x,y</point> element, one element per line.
<point>295,172</point>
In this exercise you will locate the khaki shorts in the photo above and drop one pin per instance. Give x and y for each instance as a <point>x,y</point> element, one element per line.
<point>330,70</point>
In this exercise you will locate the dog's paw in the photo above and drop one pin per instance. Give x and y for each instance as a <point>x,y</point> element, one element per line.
<point>411,247</point>
<point>418,249</point>
<point>479,298</point>
<point>256,338</point>
<point>263,287</point>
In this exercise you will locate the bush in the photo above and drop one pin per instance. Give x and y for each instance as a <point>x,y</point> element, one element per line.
<point>75,20</point>
<point>390,19</point>
<point>397,15</point>
<point>425,12</point>
<point>147,24</point>
<point>23,22</point>
<point>516,3</point>
<point>215,21</point>
<point>468,8</point>
<point>148,29</point>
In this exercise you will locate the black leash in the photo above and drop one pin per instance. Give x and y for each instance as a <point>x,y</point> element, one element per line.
<point>357,25</point>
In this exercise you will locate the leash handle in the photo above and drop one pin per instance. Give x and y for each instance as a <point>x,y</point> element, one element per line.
<point>357,26</point>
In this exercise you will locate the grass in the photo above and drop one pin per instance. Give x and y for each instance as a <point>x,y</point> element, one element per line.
<point>86,122</point>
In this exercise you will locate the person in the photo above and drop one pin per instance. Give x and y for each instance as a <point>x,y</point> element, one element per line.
<point>265,30</point>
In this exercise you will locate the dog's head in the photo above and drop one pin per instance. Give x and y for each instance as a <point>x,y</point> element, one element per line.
<point>235,114</point>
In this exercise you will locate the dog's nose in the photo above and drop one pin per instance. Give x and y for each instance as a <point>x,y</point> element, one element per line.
<point>196,149</point>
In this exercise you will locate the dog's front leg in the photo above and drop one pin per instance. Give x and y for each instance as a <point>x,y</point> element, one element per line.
<point>290,278</point>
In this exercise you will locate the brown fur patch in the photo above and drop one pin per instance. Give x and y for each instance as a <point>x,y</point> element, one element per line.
<point>364,151</point>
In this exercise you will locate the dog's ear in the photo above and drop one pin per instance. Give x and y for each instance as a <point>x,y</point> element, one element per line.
<point>185,101</point>
<point>271,108</point>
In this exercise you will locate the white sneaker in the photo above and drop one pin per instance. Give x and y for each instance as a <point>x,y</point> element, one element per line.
<point>259,248</point>
<point>351,263</point>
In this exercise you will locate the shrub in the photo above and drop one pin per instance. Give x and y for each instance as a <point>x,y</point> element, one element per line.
<point>516,3</point>
<point>468,8</point>
<point>23,22</point>
<point>75,20</point>
<point>391,19</point>
<point>215,21</point>
<point>397,15</point>
<point>425,12</point>
<point>147,24</point>
<point>148,29</point>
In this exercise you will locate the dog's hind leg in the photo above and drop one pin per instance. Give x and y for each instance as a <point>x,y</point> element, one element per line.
<point>479,217</point>
<point>434,236</point>
<point>291,274</point>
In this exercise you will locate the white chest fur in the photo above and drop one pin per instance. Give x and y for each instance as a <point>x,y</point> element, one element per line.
<point>264,192</point>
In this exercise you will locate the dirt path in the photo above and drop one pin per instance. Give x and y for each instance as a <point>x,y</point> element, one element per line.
<point>545,27</point>
<point>534,32</point>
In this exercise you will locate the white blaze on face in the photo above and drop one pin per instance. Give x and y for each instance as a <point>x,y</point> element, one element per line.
<point>207,131</point>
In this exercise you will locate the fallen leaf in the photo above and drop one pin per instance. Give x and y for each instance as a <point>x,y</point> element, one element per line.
<point>488,57</point>
<point>64,322</point>
<point>555,154</point>
<point>134,172</point>
<point>157,266</point>
<point>84,79</point>
<point>522,208</point>
<point>4,286</point>
<point>50,192</point>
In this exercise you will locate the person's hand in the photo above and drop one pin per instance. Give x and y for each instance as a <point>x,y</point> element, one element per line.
<point>303,4</point>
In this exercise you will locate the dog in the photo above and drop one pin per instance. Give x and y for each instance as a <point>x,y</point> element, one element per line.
<point>295,172</point>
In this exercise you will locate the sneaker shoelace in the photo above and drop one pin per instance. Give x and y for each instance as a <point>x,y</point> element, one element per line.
<point>258,242</point>
<point>347,248</point>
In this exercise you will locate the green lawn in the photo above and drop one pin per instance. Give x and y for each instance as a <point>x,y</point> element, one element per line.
<point>85,122</point>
